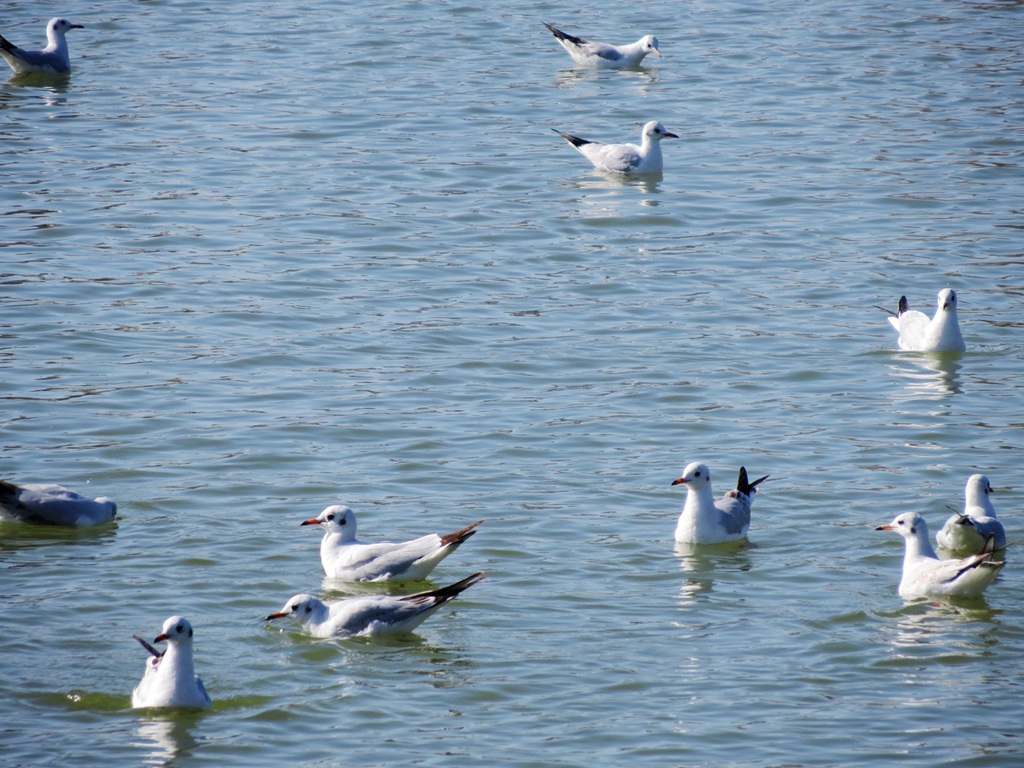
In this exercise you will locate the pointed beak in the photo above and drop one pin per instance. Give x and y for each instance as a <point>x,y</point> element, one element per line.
<point>670,135</point>
<point>160,638</point>
<point>76,26</point>
<point>886,527</point>
<point>277,615</point>
<point>311,521</point>
<point>678,480</point>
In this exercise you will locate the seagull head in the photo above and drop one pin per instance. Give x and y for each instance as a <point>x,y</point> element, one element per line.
<point>337,518</point>
<point>696,475</point>
<point>655,131</point>
<point>176,630</point>
<point>650,44</point>
<point>300,607</point>
<point>947,300</point>
<point>60,26</point>
<point>908,525</point>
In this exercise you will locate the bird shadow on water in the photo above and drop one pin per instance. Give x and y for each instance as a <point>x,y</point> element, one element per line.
<point>17,535</point>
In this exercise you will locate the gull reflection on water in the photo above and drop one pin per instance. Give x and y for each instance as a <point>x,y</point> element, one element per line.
<point>700,561</point>
<point>935,375</point>
<point>168,738</point>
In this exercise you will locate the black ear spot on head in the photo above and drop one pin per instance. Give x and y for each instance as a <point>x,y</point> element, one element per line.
<point>913,529</point>
<point>309,609</point>
<point>190,633</point>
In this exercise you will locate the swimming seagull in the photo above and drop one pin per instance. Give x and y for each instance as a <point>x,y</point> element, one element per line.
<point>965,534</point>
<point>52,504</point>
<point>170,679</point>
<point>54,59</point>
<point>372,616</point>
<point>919,333</point>
<point>925,575</point>
<point>345,557</point>
<point>707,520</point>
<point>625,158</point>
<point>591,54</point>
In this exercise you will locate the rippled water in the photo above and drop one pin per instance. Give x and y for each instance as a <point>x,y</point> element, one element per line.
<point>295,255</point>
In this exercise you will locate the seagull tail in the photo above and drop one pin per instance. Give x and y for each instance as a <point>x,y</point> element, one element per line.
<point>563,36</point>
<point>904,306</point>
<point>576,141</point>
<point>444,594</point>
<point>459,536</point>
<point>744,486</point>
<point>148,647</point>
<point>7,45</point>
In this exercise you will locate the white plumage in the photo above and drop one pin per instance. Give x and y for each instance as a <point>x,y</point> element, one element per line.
<point>373,615</point>
<point>625,158</point>
<point>707,520</point>
<point>53,504</point>
<point>587,53</point>
<point>54,59</point>
<point>965,534</point>
<point>345,557</point>
<point>924,574</point>
<point>170,679</point>
<point>919,333</point>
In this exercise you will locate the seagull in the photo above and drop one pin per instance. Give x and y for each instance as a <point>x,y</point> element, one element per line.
<point>372,616</point>
<point>966,534</point>
<point>925,575</point>
<point>170,679</point>
<point>707,520</point>
<point>625,158</point>
<point>918,333</point>
<point>53,59</point>
<point>345,557</point>
<point>52,504</point>
<point>590,54</point>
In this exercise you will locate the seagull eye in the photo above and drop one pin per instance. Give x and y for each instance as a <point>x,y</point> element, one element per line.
<point>179,629</point>
<point>330,518</point>
<point>696,474</point>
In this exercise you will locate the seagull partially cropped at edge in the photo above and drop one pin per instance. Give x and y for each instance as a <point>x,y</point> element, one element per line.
<point>345,557</point>
<point>170,679</point>
<point>54,59</point>
<point>371,616</point>
<point>587,53</point>
<point>625,158</point>
<point>919,333</point>
<point>707,520</point>
<point>966,533</point>
<point>925,575</point>
<point>53,504</point>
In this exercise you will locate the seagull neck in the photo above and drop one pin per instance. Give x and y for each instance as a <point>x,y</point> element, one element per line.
<point>698,499</point>
<point>56,42</point>
<point>919,547</point>
<point>179,660</point>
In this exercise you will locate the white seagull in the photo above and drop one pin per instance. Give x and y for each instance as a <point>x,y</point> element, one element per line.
<point>372,616</point>
<point>590,54</point>
<point>925,575</point>
<point>345,557</point>
<point>54,59</point>
<point>966,534</point>
<point>625,158</point>
<point>170,679</point>
<point>707,520</point>
<point>52,504</point>
<point>919,333</point>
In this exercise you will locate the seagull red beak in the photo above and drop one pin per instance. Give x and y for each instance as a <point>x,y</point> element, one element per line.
<point>678,480</point>
<point>668,135</point>
<point>76,26</point>
<point>886,527</point>
<point>311,521</point>
<point>160,638</point>
<point>277,615</point>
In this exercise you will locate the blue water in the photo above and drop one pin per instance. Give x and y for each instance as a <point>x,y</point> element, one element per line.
<point>295,254</point>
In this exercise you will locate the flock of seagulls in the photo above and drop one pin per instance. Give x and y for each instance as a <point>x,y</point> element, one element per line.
<point>973,538</point>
